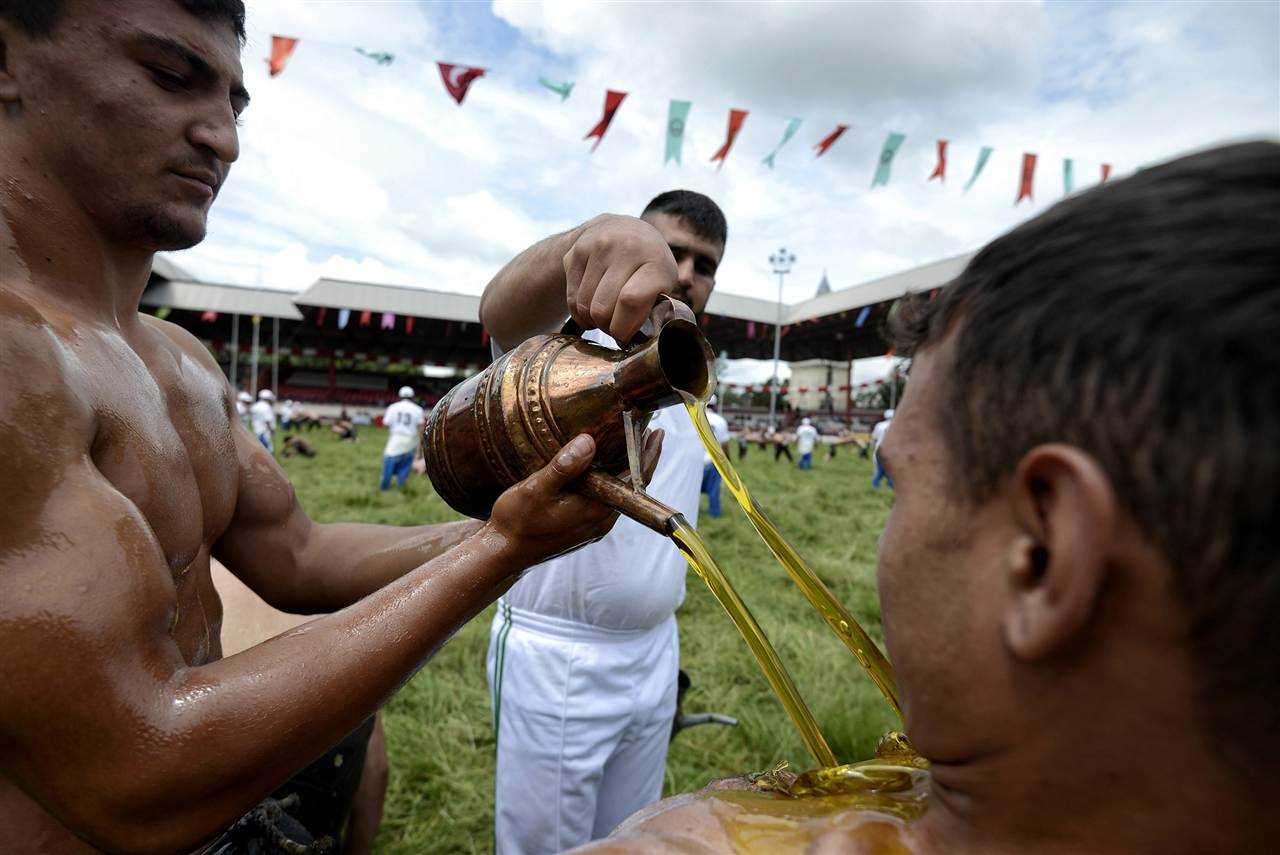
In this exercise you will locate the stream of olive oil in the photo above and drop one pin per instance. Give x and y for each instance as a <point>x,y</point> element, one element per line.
<point>695,551</point>
<point>842,623</point>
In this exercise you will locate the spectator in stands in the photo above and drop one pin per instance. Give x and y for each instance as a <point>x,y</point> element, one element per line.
<point>263,416</point>
<point>877,437</point>
<point>806,437</point>
<point>583,654</point>
<point>710,475</point>
<point>404,420</point>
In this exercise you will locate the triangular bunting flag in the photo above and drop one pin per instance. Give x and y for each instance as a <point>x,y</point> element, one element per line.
<point>1068,176</point>
<point>1106,171</point>
<point>612,101</point>
<point>940,171</point>
<point>862,317</point>
<point>736,118</point>
<point>208,317</point>
<point>408,324</point>
<point>378,56</point>
<point>677,116</point>
<point>1028,178</point>
<point>983,156</point>
<point>281,49</point>
<point>792,126</point>
<point>163,312</point>
<point>829,140</point>
<point>388,321</point>
<point>366,318</point>
<point>891,145</point>
<point>321,315</point>
<point>344,317</point>
<point>458,79</point>
<point>561,89</point>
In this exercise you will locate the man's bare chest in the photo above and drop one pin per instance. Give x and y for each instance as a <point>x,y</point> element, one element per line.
<point>163,438</point>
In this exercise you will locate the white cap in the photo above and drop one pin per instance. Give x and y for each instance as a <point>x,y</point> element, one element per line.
<point>406,391</point>
<point>805,421</point>
<point>244,398</point>
<point>266,395</point>
<point>888,414</point>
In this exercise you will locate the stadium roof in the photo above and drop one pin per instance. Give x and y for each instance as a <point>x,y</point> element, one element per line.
<point>212,297</point>
<point>402,300</point>
<point>890,287</point>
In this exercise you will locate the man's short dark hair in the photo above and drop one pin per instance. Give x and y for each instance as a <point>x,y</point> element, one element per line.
<point>1140,322</point>
<point>703,215</point>
<point>39,18</point>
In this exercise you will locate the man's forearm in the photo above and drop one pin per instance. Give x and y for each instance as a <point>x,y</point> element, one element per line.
<point>344,562</point>
<point>527,297</point>
<point>299,693</point>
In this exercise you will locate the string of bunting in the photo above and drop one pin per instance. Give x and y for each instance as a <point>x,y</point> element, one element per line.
<point>459,78</point>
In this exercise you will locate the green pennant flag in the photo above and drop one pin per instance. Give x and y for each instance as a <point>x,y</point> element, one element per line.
<point>982,161</point>
<point>163,312</point>
<point>561,89</point>
<point>890,150</point>
<point>677,115</point>
<point>792,127</point>
<point>378,56</point>
<point>1068,176</point>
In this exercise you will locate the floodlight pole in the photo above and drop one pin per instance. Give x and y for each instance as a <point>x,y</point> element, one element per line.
<point>781,262</point>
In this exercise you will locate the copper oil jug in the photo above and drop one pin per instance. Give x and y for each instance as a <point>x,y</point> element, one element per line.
<point>505,423</point>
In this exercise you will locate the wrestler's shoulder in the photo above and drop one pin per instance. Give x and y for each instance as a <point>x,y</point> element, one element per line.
<point>182,339</point>
<point>30,332</point>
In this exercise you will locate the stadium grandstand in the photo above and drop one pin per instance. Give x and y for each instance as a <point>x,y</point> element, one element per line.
<point>353,344</point>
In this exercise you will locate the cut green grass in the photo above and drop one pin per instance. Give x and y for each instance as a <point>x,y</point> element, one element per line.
<point>439,727</point>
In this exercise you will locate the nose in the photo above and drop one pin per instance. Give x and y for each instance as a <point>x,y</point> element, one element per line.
<point>216,132</point>
<point>684,273</point>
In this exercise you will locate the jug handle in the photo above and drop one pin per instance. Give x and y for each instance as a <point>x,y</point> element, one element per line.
<point>666,309</point>
<point>623,498</point>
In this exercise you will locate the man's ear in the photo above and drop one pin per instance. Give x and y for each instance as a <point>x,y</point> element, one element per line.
<point>1065,509</point>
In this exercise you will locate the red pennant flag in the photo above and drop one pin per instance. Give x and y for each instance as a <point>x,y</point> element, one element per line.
<point>320,316</point>
<point>459,83</point>
<point>408,324</point>
<point>484,338</point>
<point>830,140</point>
<point>366,318</point>
<point>281,49</point>
<point>612,101</point>
<point>1028,176</point>
<point>1106,171</point>
<point>940,171</point>
<point>208,317</point>
<point>736,118</point>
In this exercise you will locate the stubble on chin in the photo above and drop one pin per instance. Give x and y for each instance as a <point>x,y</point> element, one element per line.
<point>150,226</point>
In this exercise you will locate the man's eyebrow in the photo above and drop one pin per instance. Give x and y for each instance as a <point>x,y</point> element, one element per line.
<point>177,50</point>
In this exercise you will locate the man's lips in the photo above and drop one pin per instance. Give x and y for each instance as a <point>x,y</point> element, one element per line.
<point>207,180</point>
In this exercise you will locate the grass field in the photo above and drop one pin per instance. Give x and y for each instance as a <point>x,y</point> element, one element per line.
<point>439,731</point>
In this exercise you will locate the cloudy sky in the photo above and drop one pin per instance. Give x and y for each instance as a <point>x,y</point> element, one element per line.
<point>368,172</point>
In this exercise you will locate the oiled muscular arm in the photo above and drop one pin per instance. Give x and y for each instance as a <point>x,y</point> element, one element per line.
<point>103,723</point>
<point>300,566</point>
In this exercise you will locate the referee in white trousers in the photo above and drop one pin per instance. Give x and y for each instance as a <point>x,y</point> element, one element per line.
<point>583,652</point>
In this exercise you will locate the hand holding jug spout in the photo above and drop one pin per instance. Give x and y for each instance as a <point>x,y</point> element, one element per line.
<point>502,425</point>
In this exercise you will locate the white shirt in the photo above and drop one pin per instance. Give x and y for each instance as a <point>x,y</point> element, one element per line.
<point>878,432</point>
<point>263,416</point>
<point>633,578</point>
<point>719,428</point>
<point>806,436</point>
<point>405,419</point>
<point>286,411</point>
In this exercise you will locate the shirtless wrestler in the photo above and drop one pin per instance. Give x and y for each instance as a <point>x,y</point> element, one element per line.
<point>125,470</point>
<point>1080,576</point>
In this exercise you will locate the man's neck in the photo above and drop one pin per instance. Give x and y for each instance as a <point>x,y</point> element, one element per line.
<point>50,246</point>
<point>1148,781</point>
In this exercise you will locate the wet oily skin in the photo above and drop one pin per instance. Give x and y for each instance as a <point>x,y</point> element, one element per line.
<point>837,805</point>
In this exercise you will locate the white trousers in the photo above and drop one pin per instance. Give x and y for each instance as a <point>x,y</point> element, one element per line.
<point>583,719</point>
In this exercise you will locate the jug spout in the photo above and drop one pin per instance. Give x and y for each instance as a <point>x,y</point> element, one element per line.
<point>677,359</point>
